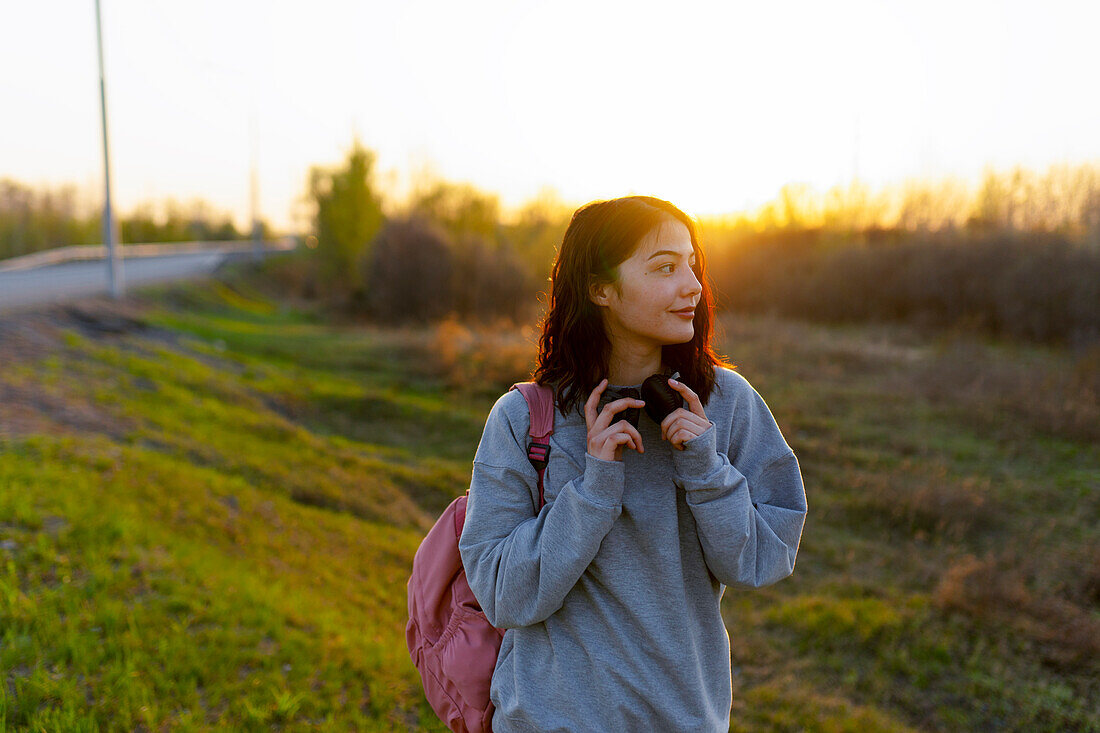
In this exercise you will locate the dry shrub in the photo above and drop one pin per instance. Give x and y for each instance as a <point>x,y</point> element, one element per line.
<point>480,357</point>
<point>289,276</point>
<point>408,273</point>
<point>415,272</point>
<point>1044,600</point>
<point>1038,288</point>
<point>926,503</point>
<point>489,282</point>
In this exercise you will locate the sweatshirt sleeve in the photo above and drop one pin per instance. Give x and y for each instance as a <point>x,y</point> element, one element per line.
<point>521,564</point>
<point>749,520</point>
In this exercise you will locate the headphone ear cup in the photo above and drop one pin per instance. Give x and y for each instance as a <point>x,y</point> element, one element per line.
<point>660,398</point>
<point>630,414</point>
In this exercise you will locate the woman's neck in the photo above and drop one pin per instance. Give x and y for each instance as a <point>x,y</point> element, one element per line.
<point>631,366</point>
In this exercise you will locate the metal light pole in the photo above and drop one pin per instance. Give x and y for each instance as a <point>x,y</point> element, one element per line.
<point>110,233</point>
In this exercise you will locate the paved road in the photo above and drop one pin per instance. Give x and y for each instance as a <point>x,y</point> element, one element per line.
<point>71,280</point>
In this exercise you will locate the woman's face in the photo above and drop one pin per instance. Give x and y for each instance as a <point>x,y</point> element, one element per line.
<point>659,291</point>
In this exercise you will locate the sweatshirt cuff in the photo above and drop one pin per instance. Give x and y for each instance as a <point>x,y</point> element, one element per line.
<point>603,481</point>
<point>698,460</point>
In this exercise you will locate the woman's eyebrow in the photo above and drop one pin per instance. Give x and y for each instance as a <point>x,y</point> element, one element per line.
<point>665,252</point>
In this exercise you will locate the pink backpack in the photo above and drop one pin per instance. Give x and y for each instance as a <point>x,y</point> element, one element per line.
<point>452,644</point>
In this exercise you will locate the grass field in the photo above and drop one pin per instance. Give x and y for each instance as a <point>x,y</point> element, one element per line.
<point>209,502</point>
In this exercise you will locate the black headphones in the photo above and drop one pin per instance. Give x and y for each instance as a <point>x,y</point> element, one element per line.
<point>660,398</point>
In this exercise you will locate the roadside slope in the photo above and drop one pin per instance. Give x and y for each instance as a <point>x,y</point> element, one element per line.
<point>178,549</point>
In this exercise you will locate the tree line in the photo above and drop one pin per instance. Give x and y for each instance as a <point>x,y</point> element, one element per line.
<point>34,219</point>
<point>1016,256</point>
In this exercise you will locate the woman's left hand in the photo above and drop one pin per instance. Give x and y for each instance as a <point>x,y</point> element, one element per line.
<point>682,425</point>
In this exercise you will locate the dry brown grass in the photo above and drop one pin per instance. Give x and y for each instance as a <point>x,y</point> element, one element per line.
<point>991,385</point>
<point>1057,392</point>
<point>1050,600</point>
<point>923,499</point>
<point>484,356</point>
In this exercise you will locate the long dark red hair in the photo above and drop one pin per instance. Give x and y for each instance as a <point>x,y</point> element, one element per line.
<point>574,349</point>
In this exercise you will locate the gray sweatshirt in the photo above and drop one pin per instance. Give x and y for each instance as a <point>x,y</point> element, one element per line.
<point>610,594</point>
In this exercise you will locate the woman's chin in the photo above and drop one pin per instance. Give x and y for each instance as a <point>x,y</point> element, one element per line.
<point>682,337</point>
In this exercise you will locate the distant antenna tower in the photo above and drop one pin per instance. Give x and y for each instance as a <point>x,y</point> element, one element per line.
<point>257,230</point>
<point>855,151</point>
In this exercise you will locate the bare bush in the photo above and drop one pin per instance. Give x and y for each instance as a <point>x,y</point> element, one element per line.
<point>409,273</point>
<point>415,273</point>
<point>1041,288</point>
<point>489,282</point>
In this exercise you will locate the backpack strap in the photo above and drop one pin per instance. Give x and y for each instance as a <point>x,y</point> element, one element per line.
<point>540,403</point>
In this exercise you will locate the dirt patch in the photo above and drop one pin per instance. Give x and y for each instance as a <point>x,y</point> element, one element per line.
<point>28,410</point>
<point>29,339</point>
<point>44,385</point>
<point>30,335</point>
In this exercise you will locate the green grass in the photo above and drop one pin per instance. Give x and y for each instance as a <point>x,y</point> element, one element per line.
<point>208,522</point>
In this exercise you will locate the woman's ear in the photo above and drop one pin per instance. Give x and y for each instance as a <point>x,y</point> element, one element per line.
<point>597,292</point>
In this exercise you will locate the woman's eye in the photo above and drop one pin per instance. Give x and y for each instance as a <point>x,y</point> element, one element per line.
<point>668,267</point>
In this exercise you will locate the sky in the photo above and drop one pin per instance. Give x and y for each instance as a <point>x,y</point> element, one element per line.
<point>711,105</point>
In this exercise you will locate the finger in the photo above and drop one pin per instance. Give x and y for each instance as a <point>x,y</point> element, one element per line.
<point>607,415</point>
<point>625,428</point>
<point>619,440</point>
<point>691,420</point>
<point>674,426</point>
<point>692,399</point>
<point>678,429</point>
<point>681,436</point>
<point>670,420</point>
<point>593,403</point>
<point>667,425</point>
<point>636,436</point>
<point>682,418</point>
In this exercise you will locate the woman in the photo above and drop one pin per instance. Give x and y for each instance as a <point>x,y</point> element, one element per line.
<point>610,593</point>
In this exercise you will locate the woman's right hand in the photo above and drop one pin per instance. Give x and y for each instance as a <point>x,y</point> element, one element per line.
<point>606,440</point>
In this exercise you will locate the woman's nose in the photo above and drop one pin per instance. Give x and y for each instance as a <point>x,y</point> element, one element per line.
<point>691,284</point>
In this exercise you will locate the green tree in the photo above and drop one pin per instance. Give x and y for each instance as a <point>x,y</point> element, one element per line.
<point>347,217</point>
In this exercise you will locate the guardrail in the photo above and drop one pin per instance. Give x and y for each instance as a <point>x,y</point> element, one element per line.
<point>59,255</point>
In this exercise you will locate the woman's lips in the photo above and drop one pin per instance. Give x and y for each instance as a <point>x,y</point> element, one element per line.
<point>686,313</point>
